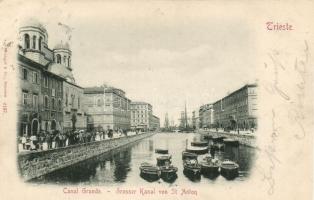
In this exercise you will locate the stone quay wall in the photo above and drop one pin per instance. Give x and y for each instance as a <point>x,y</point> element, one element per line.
<point>35,164</point>
<point>245,139</point>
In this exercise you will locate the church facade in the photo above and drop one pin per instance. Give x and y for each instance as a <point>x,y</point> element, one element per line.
<point>46,79</point>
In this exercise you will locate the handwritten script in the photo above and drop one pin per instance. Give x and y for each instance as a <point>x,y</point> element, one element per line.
<point>294,107</point>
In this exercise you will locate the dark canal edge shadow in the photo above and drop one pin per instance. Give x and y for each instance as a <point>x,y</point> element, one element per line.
<point>69,175</point>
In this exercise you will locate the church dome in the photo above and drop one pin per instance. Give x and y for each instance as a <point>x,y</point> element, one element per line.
<point>32,22</point>
<point>62,46</point>
<point>62,71</point>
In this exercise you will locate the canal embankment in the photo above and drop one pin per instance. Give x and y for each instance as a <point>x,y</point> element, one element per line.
<point>34,164</point>
<point>244,139</point>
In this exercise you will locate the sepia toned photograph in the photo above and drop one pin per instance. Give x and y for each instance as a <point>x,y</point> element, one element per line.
<point>151,100</point>
<point>209,131</point>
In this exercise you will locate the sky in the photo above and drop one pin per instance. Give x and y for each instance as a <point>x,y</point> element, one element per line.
<point>163,57</point>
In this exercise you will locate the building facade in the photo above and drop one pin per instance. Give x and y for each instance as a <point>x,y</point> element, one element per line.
<point>141,115</point>
<point>195,120</point>
<point>74,116</point>
<point>237,110</point>
<point>206,116</point>
<point>46,77</point>
<point>107,108</point>
<point>155,123</point>
<point>41,91</point>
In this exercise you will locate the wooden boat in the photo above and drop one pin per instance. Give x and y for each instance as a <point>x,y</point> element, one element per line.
<point>229,169</point>
<point>208,137</point>
<point>161,151</point>
<point>188,155</point>
<point>231,142</point>
<point>218,139</point>
<point>200,144</point>
<point>217,146</point>
<point>191,167</point>
<point>209,165</point>
<point>150,171</point>
<point>197,150</point>
<point>167,170</point>
<point>161,160</point>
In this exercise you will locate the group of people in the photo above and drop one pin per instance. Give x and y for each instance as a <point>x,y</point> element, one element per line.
<point>56,139</point>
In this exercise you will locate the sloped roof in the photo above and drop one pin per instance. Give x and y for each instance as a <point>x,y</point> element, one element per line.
<point>62,71</point>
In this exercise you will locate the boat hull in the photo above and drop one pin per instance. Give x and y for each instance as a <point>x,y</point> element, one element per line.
<point>197,151</point>
<point>168,173</point>
<point>229,173</point>
<point>192,169</point>
<point>161,151</point>
<point>193,172</point>
<point>199,144</point>
<point>209,169</point>
<point>208,137</point>
<point>188,155</point>
<point>218,139</point>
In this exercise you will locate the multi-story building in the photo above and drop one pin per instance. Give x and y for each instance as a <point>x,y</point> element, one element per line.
<point>107,108</point>
<point>237,110</point>
<point>141,115</point>
<point>46,76</point>
<point>195,120</point>
<point>41,90</point>
<point>155,123</point>
<point>206,116</point>
<point>74,116</point>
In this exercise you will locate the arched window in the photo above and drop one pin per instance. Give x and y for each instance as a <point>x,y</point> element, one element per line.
<point>66,99</point>
<point>58,58</point>
<point>69,61</point>
<point>53,104</point>
<point>34,42</point>
<point>39,43</point>
<point>59,105</point>
<point>72,100</point>
<point>46,102</point>
<point>64,60</point>
<point>98,102</point>
<point>26,41</point>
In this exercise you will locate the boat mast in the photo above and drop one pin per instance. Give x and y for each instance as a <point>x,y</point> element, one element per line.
<point>185,117</point>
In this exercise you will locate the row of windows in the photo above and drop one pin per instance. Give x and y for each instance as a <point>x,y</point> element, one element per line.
<point>137,121</point>
<point>28,74</point>
<point>140,111</point>
<point>139,106</point>
<point>72,100</point>
<point>27,42</point>
<point>138,116</point>
<point>66,60</point>
<point>32,100</point>
<point>34,76</point>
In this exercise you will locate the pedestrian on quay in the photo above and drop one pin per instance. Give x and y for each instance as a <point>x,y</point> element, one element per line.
<point>23,141</point>
<point>93,134</point>
<point>56,140</point>
<point>103,135</point>
<point>33,142</point>
<point>81,137</point>
<point>41,140</point>
<point>67,139</point>
<point>97,137</point>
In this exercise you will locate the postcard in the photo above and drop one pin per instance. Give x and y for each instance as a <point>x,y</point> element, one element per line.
<point>156,100</point>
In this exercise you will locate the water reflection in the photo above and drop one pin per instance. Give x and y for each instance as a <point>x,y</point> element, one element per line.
<point>122,166</point>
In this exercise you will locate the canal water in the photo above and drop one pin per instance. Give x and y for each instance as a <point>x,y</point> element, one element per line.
<point>121,166</point>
